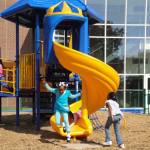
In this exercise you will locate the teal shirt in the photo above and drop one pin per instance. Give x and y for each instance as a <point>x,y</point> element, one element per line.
<point>61,99</point>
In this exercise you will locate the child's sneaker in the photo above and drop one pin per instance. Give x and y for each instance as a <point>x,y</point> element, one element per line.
<point>121,146</point>
<point>68,138</point>
<point>64,129</point>
<point>107,143</point>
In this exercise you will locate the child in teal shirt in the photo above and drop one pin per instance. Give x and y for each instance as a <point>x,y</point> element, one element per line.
<point>61,104</point>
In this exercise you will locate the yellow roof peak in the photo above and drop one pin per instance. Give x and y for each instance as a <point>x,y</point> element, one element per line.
<point>64,8</point>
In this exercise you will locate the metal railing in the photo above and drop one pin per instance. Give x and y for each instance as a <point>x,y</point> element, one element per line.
<point>27,71</point>
<point>11,80</point>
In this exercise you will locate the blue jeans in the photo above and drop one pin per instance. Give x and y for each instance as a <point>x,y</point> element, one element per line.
<point>116,129</point>
<point>3,83</point>
<point>65,117</point>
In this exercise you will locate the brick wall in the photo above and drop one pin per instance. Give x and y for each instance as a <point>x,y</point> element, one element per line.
<point>8,42</point>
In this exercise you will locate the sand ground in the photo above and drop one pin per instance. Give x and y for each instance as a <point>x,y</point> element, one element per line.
<point>136,136</point>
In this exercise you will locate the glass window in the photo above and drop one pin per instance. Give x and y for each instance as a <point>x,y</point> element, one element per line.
<point>134,56</point>
<point>134,82</point>
<point>59,40</point>
<point>148,11</point>
<point>147,63</point>
<point>83,1</point>
<point>59,32</point>
<point>134,98</point>
<point>116,11</point>
<point>69,32</point>
<point>97,48</point>
<point>120,98</point>
<point>115,54</point>
<point>115,31</point>
<point>148,31</point>
<point>134,93</point>
<point>121,86</point>
<point>135,31</point>
<point>96,30</point>
<point>136,11</point>
<point>98,6</point>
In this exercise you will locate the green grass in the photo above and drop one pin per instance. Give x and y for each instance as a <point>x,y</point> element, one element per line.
<point>14,108</point>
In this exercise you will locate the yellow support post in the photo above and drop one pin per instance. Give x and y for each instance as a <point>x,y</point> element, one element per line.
<point>74,138</point>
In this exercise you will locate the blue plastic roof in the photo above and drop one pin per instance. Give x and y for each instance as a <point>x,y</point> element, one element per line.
<point>26,9</point>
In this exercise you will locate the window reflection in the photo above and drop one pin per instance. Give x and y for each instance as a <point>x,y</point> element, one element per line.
<point>98,6</point>
<point>59,32</point>
<point>96,30</point>
<point>59,40</point>
<point>148,11</point>
<point>134,98</point>
<point>116,11</point>
<point>115,31</point>
<point>120,98</point>
<point>97,48</point>
<point>134,56</point>
<point>135,31</point>
<point>134,82</point>
<point>148,31</point>
<point>121,85</point>
<point>134,93</point>
<point>136,11</point>
<point>115,54</point>
<point>83,1</point>
<point>147,69</point>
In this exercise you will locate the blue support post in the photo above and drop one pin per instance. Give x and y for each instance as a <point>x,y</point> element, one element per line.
<point>38,72</point>
<point>17,71</point>
<point>33,98</point>
<point>33,108</point>
<point>76,80</point>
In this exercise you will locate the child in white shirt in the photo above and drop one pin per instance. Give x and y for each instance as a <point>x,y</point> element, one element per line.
<point>114,117</point>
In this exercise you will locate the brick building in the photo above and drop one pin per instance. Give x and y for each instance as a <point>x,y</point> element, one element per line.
<point>8,43</point>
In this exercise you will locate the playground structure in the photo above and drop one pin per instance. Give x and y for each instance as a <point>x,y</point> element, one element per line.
<point>96,74</point>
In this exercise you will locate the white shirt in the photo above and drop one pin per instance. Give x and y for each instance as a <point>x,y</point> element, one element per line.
<point>115,108</point>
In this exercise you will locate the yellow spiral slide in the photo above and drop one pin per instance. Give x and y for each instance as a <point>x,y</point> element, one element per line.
<point>98,79</point>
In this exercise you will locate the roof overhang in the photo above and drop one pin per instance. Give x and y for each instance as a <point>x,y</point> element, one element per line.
<point>27,9</point>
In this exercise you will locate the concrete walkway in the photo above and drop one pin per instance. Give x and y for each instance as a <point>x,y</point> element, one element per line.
<point>81,146</point>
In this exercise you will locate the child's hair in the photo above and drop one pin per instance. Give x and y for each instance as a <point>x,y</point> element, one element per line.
<point>1,63</point>
<point>62,84</point>
<point>112,96</point>
<point>71,114</point>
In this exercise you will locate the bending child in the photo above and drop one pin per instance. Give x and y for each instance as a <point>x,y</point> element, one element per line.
<point>61,104</point>
<point>73,116</point>
<point>114,117</point>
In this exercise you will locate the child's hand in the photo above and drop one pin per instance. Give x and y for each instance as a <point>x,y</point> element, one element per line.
<point>43,80</point>
<point>112,119</point>
<point>82,92</point>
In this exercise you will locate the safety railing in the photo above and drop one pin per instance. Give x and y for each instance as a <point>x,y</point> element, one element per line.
<point>10,77</point>
<point>27,71</point>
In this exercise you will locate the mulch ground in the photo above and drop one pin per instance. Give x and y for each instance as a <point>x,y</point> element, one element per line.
<point>25,137</point>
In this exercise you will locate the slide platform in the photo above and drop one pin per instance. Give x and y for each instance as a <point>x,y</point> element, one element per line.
<point>98,80</point>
